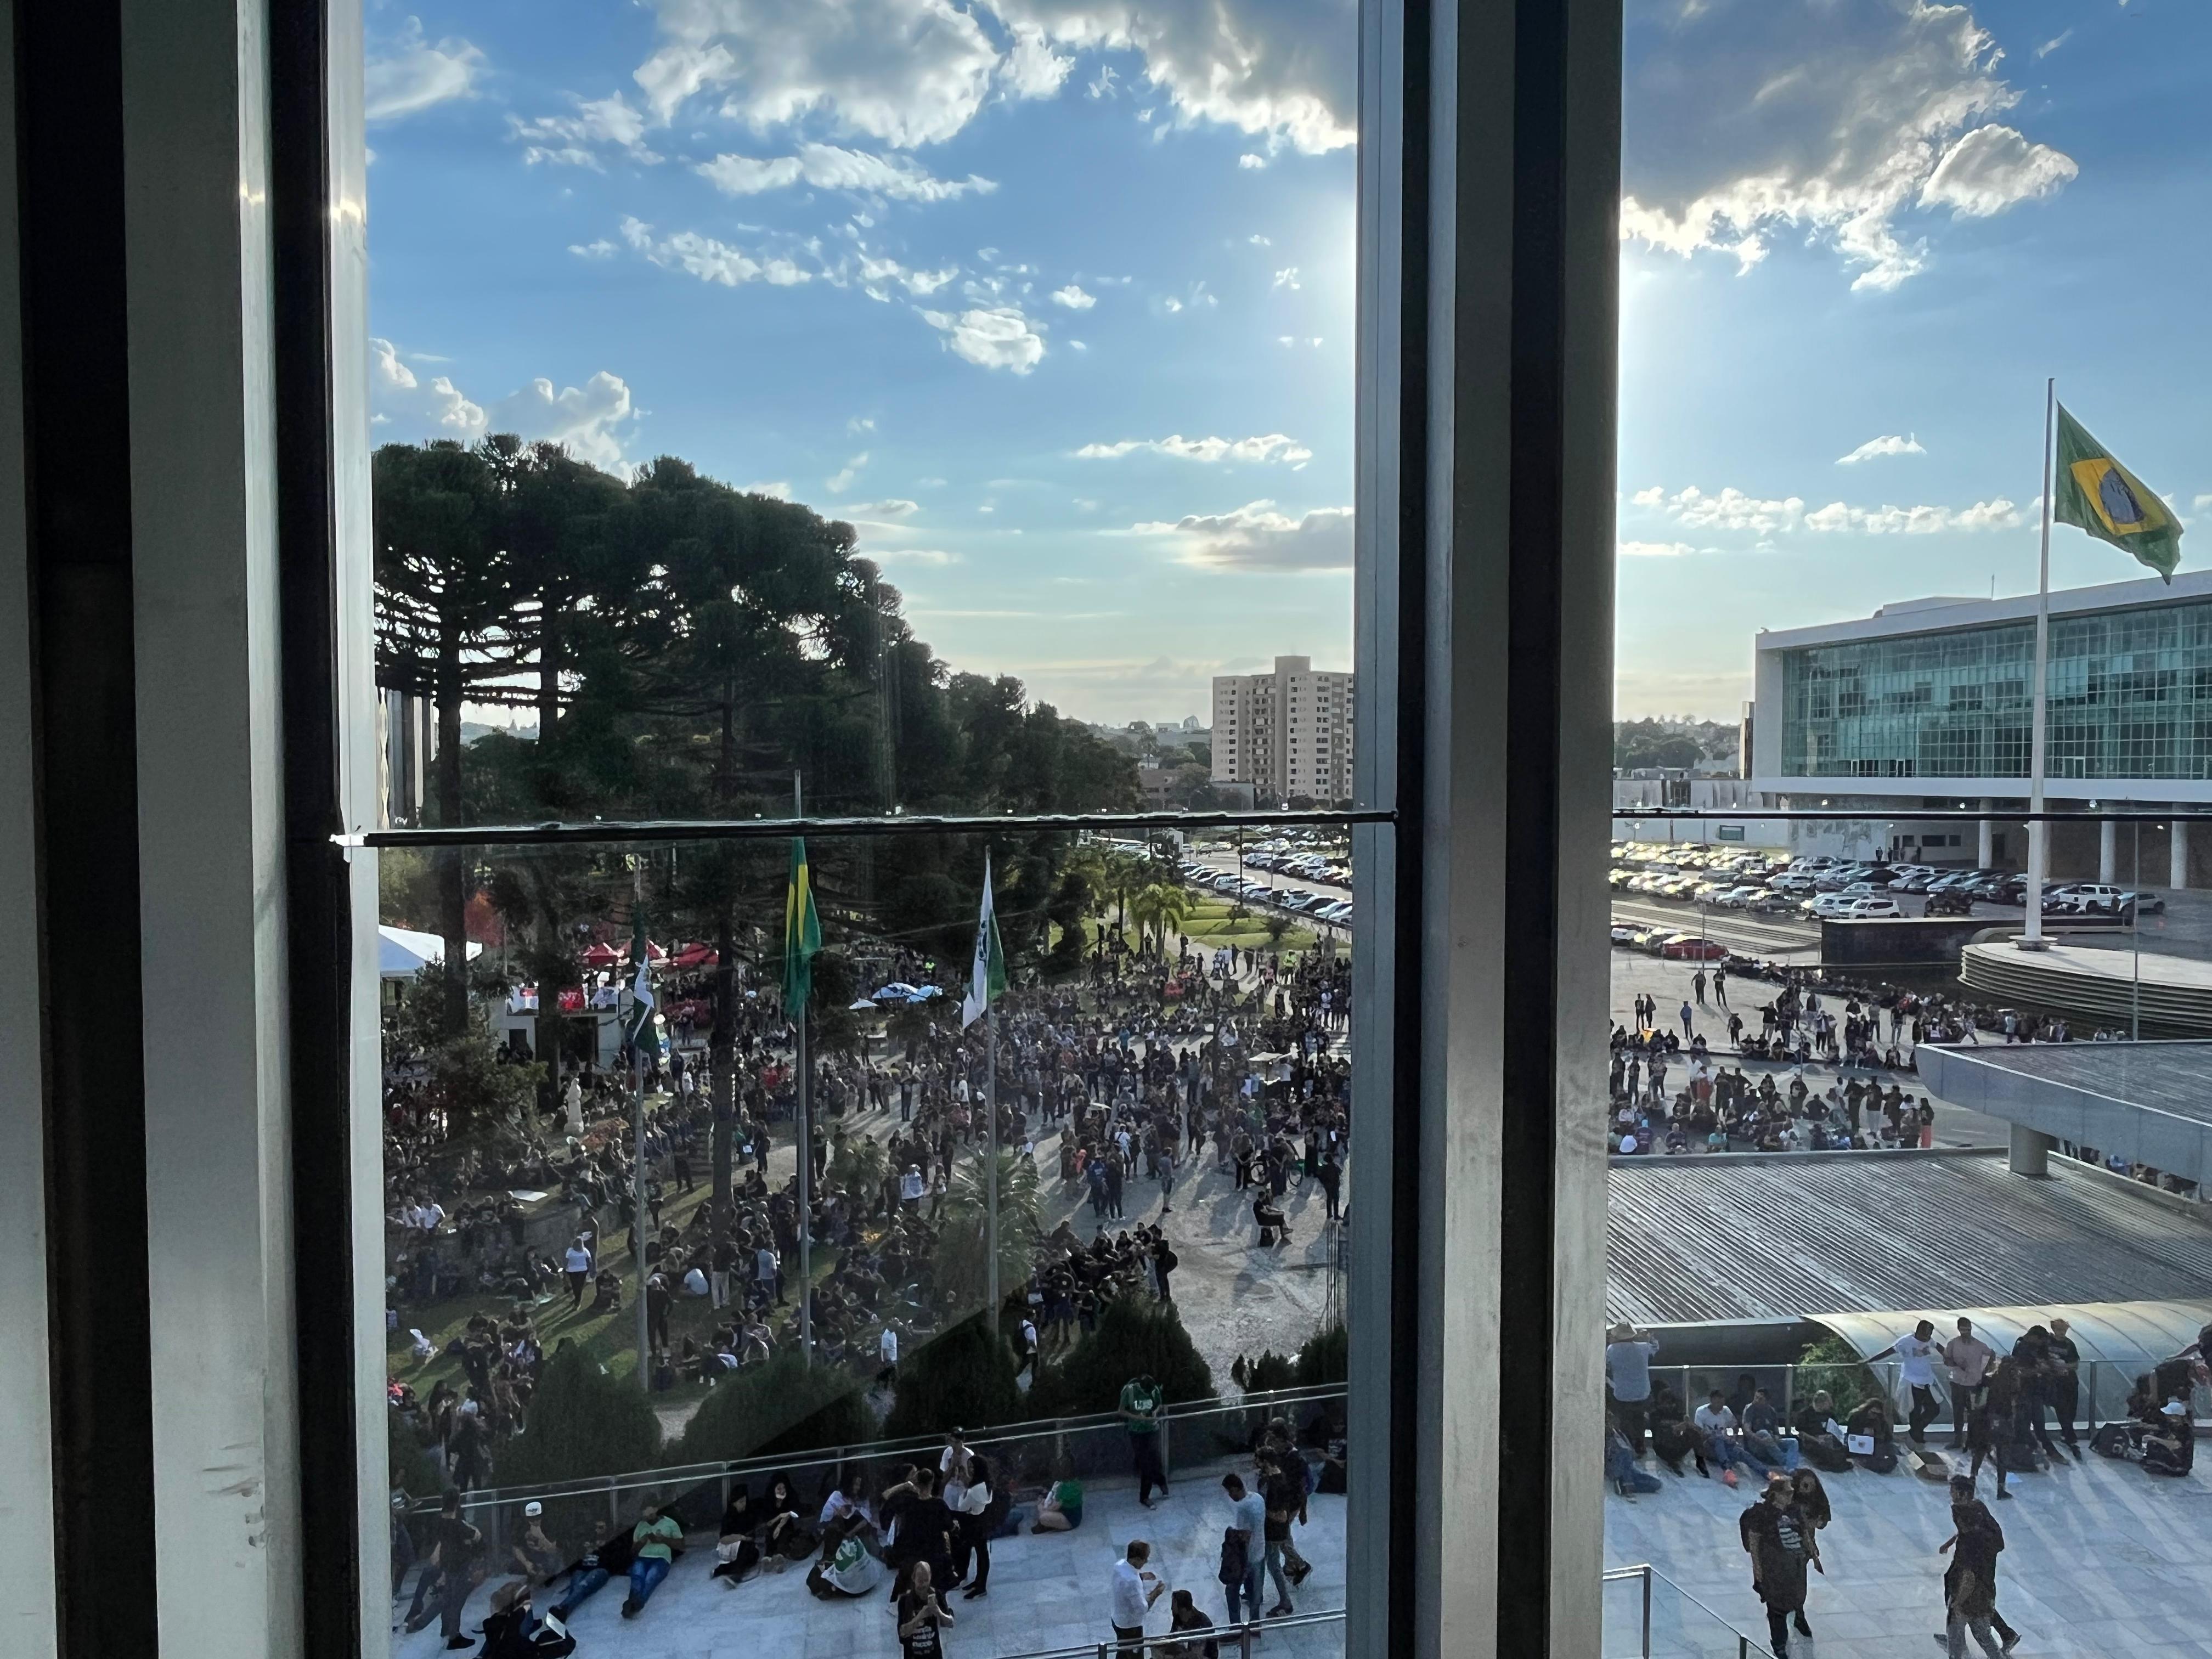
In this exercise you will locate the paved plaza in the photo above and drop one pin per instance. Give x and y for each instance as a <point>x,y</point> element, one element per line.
<point>2100,1559</point>
<point>1047,1591</point>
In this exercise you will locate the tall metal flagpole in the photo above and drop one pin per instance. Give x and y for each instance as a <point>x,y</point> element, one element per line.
<point>806,1153</point>
<point>637,1150</point>
<point>991,1152</point>
<point>2032,940</point>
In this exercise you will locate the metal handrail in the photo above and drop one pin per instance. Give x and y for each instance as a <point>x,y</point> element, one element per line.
<point>1242,1637</point>
<point>871,1450</point>
<point>1646,1573</point>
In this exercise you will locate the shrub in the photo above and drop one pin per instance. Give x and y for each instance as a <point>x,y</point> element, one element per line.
<point>1325,1356</point>
<point>962,1376</point>
<point>1832,1363</point>
<point>784,1405</point>
<point>1133,1336</point>
<point>1270,1372</point>
<point>582,1422</point>
<point>414,1470</point>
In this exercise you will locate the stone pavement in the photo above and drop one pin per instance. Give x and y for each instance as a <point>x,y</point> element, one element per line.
<point>1047,1591</point>
<point>2100,1559</point>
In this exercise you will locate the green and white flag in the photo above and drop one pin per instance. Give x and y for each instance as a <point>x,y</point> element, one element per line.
<point>2095,492</point>
<point>988,978</point>
<point>642,1030</point>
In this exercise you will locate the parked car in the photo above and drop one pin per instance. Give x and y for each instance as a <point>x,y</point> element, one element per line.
<point>1952,903</point>
<point>1681,949</point>
<point>1865,909</point>
<point>2143,904</point>
<point>1623,935</point>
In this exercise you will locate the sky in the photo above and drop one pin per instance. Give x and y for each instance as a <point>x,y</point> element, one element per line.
<point>1053,299</point>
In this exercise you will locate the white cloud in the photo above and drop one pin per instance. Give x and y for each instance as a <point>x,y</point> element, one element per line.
<point>583,419</point>
<point>1257,240</point>
<point>1999,514</point>
<point>439,407</point>
<point>1250,161</point>
<point>913,72</point>
<point>907,72</point>
<point>999,337</point>
<point>1655,549</point>
<point>1078,345</point>
<point>1732,510</point>
<point>1272,448</point>
<point>1891,444</point>
<point>1256,537</point>
<point>829,167</point>
<point>412,75</point>
<point>1990,168</point>
<point>601,249</point>
<point>895,507</point>
<point>599,124</point>
<point>707,258</point>
<point>878,273</point>
<point>1073,298</point>
<point>780,489</point>
<point>1032,69</point>
<point>2053,44</point>
<point>1287,277</point>
<point>861,423</point>
<point>1826,119</point>
<point>588,420</point>
<point>841,480</point>
<point>2199,503</point>
<point>930,555</point>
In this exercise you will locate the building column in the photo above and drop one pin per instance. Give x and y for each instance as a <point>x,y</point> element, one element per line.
<point>1985,850</point>
<point>2178,855</point>
<point>2029,1152</point>
<point>2108,851</point>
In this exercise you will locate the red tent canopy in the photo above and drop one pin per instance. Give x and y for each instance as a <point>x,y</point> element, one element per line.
<point>652,952</point>
<point>695,955</point>
<point>601,956</point>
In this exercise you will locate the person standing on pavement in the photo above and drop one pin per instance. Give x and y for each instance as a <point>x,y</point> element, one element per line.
<point>1969,1583</point>
<point>922,1616</point>
<point>2065,1382</point>
<point>1134,1589</point>
<point>1698,987</point>
<point>1686,1021</point>
<point>1967,1361</point>
<point>1243,1541</point>
<point>1628,1357</point>
<point>1141,1399</point>
<point>1780,1540</point>
<point>1916,1355</point>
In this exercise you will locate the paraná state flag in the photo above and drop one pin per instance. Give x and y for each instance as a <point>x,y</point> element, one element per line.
<point>987,978</point>
<point>2094,492</point>
<point>802,933</point>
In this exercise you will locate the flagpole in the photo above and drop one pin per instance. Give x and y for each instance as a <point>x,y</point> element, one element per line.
<point>991,1152</point>
<point>805,1153</point>
<point>637,1138</point>
<point>2038,845</point>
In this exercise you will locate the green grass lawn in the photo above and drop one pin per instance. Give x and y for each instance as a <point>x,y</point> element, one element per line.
<point>1210,920</point>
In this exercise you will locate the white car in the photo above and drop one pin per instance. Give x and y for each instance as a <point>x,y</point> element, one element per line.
<point>1860,909</point>
<point>1830,905</point>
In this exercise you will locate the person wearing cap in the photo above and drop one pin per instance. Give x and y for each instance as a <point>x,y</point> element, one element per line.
<point>2171,1449</point>
<point>535,1555</point>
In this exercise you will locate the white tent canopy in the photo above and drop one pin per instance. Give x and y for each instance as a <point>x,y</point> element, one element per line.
<point>402,953</point>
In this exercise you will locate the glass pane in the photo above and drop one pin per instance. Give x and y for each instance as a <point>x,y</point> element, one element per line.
<point>1907,1169</point>
<point>1170,1074</point>
<point>853,388</point>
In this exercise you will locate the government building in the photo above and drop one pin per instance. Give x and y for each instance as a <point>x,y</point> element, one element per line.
<point>1927,704</point>
<point>1287,733</point>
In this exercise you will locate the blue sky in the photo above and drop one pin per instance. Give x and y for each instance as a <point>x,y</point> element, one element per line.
<point>909,260</point>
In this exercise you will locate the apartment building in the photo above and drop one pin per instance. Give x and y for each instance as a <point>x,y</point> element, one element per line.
<point>1287,732</point>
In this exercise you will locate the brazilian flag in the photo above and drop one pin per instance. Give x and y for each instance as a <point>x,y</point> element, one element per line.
<point>802,933</point>
<point>2097,494</point>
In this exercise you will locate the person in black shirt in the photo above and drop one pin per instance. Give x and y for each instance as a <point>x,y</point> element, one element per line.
<point>589,1573</point>
<point>926,1529</point>
<point>922,1616</point>
<point>1184,1616</point>
<point>2065,1385</point>
<point>455,1544</point>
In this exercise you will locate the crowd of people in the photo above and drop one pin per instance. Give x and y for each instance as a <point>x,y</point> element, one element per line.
<point>2002,1406</point>
<point>1121,1085</point>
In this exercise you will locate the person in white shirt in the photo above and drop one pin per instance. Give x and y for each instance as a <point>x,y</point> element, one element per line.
<point>577,1263</point>
<point>1717,1424</point>
<point>1135,1588</point>
<point>1916,1355</point>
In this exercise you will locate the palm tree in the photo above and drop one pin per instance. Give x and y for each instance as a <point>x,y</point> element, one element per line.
<point>1162,906</point>
<point>963,1260</point>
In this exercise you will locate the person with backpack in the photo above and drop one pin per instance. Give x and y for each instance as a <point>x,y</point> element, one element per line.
<point>1240,1560</point>
<point>1969,1583</point>
<point>1164,1261</point>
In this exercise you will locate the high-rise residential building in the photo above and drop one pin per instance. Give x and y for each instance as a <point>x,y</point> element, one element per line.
<point>1286,733</point>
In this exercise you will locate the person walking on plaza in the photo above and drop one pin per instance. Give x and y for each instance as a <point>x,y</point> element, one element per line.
<point>452,1569</point>
<point>1134,1589</point>
<point>1967,1361</point>
<point>1916,1355</point>
<point>1241,1541</point>
<point>1780,1540</point>
<point>2065,1382</point>
<point>1141,1399</point>
<point>1686,1021</point>
<point>1969,1583</point>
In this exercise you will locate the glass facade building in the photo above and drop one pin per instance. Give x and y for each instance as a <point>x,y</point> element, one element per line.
<point>2130,693</point>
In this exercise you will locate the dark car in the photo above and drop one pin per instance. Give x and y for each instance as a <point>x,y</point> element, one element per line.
<point>1952,903</point>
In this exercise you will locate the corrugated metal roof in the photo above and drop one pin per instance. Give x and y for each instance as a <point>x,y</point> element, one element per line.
<point>1694,1239</point>
<point>2170,1077</point>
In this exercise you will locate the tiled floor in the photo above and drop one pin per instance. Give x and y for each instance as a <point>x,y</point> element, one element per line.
<point>1045,1592</point>
<point>2100,1558</point>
